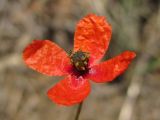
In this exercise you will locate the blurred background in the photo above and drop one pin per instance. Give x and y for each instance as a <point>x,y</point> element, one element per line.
<point>135,95</point>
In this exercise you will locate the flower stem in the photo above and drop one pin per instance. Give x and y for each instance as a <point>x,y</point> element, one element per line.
<point>78,111</point>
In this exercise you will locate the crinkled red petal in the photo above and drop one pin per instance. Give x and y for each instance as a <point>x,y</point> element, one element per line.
<point>69,91</point>
<point>92,35</point>
<point>108,70</point>
<point>46,57</point>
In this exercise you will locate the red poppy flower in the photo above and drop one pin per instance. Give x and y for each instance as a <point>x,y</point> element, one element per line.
<point>91,40</point>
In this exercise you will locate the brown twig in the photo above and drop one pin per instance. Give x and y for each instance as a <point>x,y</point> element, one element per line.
<point>134,89</point>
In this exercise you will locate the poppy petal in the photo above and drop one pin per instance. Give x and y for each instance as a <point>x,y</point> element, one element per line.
<point>108,70</point>
<point>92,35</point>
<point>69,91</point>
<point>46,57</point>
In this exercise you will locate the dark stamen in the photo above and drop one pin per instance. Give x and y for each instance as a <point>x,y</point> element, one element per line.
<point>80,60</point>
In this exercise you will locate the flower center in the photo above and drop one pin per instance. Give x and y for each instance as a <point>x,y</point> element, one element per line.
<point>79,61</point>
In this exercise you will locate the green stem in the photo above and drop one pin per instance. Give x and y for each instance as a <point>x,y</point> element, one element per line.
<point>78,111</point>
